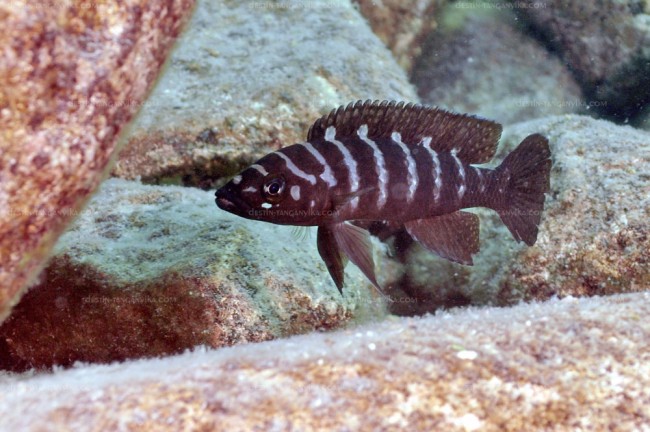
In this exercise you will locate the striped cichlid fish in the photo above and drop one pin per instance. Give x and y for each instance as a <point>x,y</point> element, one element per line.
<point>404,165</point>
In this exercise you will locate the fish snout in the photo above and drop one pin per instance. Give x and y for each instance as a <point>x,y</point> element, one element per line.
<point>222,200</point>
<point>230,201</point>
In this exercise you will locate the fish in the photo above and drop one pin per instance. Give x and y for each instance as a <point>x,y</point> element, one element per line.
<point>404,166</point>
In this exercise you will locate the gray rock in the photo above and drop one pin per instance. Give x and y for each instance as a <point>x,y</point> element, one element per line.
<point>594,238</point>
<point>250,76</point>
<point>605,43</point>
<point>480,62</point>
<point>150,270</point>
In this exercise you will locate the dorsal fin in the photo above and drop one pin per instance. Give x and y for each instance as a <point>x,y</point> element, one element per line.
<point>476,139</point>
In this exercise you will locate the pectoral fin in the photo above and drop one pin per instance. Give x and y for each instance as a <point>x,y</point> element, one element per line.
<point>453,236</point>
<point>340,201</point>
<point>335,242</point>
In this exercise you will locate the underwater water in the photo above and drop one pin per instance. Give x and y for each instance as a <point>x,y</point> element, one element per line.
<point>122,119</point>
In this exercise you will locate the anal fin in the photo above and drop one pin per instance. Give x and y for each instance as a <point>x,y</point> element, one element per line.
<point>454,236</point>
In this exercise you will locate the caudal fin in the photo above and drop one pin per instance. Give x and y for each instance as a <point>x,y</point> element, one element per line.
<point>524,178</point>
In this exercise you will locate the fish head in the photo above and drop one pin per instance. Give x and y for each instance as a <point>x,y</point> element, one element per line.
<point>271,191</point>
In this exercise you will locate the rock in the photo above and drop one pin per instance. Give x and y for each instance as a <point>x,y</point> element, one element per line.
<point>530,367</point>
<point>71,77</point>
<point>605,43</point>
<point>402,25</point>
<point>150,270</point>
<point>481,63</point>
<point>594,238</point>
<point>250,77</point>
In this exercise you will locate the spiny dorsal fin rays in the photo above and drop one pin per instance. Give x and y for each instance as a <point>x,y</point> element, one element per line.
<point>476,139</point>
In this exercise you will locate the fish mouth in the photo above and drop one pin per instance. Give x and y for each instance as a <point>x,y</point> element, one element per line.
<point>224,204</point>
<point>228,201</point>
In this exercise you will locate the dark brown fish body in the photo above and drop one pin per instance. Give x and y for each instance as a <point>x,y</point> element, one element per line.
<point>407,165</point>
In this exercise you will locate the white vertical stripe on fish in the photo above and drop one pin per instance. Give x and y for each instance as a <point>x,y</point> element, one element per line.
<point>330,136</point>
<point>294,169</point>
<point>327,174</point>
<point>412,174</point>
<point>260,169</point>
<point>380,165</point>
<point>236,179</point>
<point>480,179</point>
<point>426,143</point>
<point>461,172</point>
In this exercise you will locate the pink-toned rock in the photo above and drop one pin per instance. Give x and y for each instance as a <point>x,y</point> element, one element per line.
<point>572,364</point>
<point>72,74</point>
<point>402,24</point>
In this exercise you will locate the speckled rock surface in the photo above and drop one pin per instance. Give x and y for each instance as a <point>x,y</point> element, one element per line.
<point>402,24</point>
<point>152,270</point>
<point>607,45</point>
<point>480,62</point>
<point>563,365</point>
<point>72,75</point>
<point>252,76</point>
<point>595,233</point>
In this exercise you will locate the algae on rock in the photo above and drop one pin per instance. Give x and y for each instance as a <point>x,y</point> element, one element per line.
<point>153,270</point>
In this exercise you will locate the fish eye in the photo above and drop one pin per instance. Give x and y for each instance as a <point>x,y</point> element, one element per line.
<point>273,189</point>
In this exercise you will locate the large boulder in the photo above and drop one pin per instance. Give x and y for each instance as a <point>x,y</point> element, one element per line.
<point>72,74</point>
<point>151,270</point>
<point>481,62</point>
<point>563,365</point>
<point>250,77</point>
<point>606,43</point>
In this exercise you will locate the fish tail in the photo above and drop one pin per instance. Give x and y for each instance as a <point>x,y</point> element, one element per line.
<point>522,179</point>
